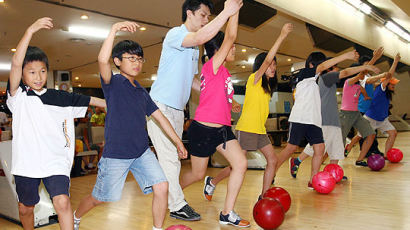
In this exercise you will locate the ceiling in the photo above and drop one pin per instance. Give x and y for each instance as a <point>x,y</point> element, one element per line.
<point>78,54</point>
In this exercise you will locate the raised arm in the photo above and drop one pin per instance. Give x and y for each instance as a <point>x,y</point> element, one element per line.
<point>18,58</point>
<point>386,80</point>
<point>374,79</point>
<point>351,55</point>
<point>394,65</point>
<point>377,53</point>
<point>354,70</point>
<point>207,32</point>
<point>167,127</point>
<point>360,76</point>
<point>105,53</point>
<point>95,101</point>
<point>230,37</point>
<point>286,29</point>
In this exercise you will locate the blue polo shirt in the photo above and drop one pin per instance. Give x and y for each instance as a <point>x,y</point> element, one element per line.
<point>125,124</point>
<point>177,67</point>
<point>364,105</point>
<point>379,109</point>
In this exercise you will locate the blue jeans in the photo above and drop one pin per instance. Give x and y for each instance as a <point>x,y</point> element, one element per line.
<point>113,172</point>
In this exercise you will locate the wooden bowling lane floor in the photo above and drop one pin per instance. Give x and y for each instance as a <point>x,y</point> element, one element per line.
<point>368,200</point>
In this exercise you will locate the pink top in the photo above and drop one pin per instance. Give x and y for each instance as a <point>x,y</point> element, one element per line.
<point>215,100</point>
<point>350,97</point>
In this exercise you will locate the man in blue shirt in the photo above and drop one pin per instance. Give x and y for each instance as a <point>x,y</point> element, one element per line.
<point>177,66</point>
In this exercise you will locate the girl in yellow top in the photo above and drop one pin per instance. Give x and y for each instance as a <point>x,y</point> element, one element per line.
<point>250,130</point>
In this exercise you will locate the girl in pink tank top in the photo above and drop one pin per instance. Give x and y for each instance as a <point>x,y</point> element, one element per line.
<point>211,128</point>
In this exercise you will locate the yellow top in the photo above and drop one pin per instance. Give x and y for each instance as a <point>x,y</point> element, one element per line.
<point>255,108</point>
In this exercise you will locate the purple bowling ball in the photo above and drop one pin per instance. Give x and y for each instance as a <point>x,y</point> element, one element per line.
<point>376,162</point>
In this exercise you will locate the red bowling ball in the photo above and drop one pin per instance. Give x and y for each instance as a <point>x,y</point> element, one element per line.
<point>178,227</point>
<point>280,195</point>
<point>394,155</point>
<point>335,170</point>
<point>268,213</point>
<point>323,182</point>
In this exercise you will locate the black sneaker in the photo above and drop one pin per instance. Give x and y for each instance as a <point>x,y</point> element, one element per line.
<point>186,213</point>
<point>233,219</point>
<point>361,163</point>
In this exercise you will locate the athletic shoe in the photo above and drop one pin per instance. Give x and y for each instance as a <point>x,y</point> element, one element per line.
<point>186,213</point>
<point>361,163</point>
<point>344,178</point>
<point>76,223</point>
<point>208,188</point>
<point>233,219</point>
<point>346,152</point>
<point>310,186</point>
<point>293,167</point>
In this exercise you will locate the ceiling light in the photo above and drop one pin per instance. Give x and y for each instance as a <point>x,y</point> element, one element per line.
<point>243,50</point>
<point>13,50</point>
<point>143,28</point>
<point>5,66</point>
<point>79,85</point>
<point>251,60</point>
<point>76,78</point>
<point>88,31</point>
<point>397,30</point>
<point>358,4</point>
<point>84,17</point>
<point>243,67</point>
<point>289,59</point>
<point>153,77</point>
<point>1,1</point>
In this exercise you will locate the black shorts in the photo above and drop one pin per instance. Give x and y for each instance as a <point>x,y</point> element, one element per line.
<point>203,139</point>
<point>27,188</point>
<point>298,131</point>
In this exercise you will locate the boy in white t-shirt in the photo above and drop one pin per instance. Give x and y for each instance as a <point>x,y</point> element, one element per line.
<point>43,131</point>
<point>305,118</point>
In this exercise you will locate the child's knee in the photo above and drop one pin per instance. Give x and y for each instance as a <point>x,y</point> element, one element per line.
<point>25,210</point>
<point>62,203</point>
<point>161,188</point>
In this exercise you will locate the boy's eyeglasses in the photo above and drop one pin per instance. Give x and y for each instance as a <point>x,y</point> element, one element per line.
<point>134,59</point>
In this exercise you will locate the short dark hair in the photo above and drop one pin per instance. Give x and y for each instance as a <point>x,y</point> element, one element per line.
<point>268,85</point>
<point>34,53</point>
<point>126,46</point>
<point>363,59</point>
<point>213,45</point>
<point>194,5</point>
<point>315,58</point>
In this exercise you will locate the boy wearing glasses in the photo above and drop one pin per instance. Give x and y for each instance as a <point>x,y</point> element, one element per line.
<point>126,139</point>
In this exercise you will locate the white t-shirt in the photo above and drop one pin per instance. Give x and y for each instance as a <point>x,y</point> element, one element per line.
<point>307,107</point>
<point>43,131</point>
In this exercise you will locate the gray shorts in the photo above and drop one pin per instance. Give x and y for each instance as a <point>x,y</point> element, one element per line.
<point>252,141</point>
<point>350,119</point>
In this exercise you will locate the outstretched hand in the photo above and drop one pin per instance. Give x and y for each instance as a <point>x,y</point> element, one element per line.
<point>286,29</point>
<point>42,23</point>
<point>125,26</point>
<point>353,55</point>
<point>377,53</point>
<point>232,6</point>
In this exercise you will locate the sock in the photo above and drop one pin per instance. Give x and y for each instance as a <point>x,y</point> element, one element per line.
<point>298,161</point>
<point>154,228</point>
<point>75,218</point>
